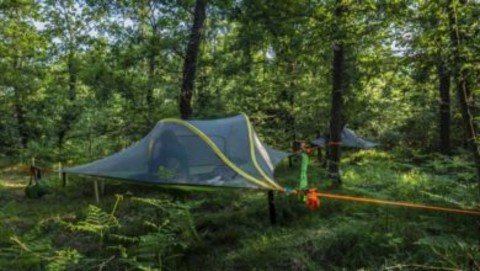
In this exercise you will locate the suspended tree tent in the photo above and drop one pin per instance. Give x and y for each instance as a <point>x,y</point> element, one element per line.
<point>349,139</point>
<point>223,152</point>
<point>217,153</point>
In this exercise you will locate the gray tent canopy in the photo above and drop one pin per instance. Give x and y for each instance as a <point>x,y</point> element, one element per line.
<point>349,139</point>
<point>220,152</point>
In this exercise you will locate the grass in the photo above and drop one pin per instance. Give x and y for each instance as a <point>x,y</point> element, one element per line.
<point>233,225</point>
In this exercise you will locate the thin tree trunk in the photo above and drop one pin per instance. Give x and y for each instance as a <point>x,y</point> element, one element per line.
<point>444,89</point>
<point>70,113</point>
<point>20,116</point>
<point>290,95</point>
<point>18,107</point>
<point>72,77</point>
<point>336,120</point>
<point>464,93</point>
<point>151,80</point>
<point>190,64</point>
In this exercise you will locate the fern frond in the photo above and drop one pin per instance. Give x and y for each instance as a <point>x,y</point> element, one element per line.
<point>63,259</point>
<point>97,222</point>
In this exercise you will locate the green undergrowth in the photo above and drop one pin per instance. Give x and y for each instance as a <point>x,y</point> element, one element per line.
<point>155,228</point>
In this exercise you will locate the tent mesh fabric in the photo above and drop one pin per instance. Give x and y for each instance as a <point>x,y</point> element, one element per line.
<point>221,152</point>
<point>349,139</point>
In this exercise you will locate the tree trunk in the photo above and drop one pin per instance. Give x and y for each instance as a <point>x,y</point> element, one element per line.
<point>72,78</point>
<point>20,116</point>
<point>19,110</point>
<point>190,64</point>
<point>336,120</point>
<point>289,94</point>
<point>464,93</point>
<point>151,84</point>
<point>70,113</point>
<point>444,89</point>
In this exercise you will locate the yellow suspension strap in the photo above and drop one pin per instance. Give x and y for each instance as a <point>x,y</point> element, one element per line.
<point>390,202</point>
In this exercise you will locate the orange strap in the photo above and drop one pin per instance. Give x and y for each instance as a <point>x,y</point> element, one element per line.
<point>400,203</point>
<point>388,202</point>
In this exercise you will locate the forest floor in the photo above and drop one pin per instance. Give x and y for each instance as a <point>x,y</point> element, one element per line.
<point>151,228</point>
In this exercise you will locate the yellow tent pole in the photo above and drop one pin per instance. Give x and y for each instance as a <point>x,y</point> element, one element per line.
<point>253,156</point>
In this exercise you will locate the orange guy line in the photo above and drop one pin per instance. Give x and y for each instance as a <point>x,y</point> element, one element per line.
<point>398,203</point>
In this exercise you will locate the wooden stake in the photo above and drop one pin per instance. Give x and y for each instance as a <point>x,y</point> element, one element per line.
<point>95,189</point>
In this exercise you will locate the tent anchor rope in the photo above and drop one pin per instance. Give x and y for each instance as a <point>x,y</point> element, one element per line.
<point>389,202</point>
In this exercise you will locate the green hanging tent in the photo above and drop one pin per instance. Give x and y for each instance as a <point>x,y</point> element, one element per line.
<point>222,152</point>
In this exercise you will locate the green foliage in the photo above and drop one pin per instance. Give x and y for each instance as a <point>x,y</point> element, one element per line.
<point>36,190</point>
<point>64,260</point>
<point>156,237</point>
<point>31,252</point>
<point>96,222</point>
<point>453,251</point>
<point>164,240</point>
<point>230,230</point>
<point>105,73</point>
<point>166,173</point>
